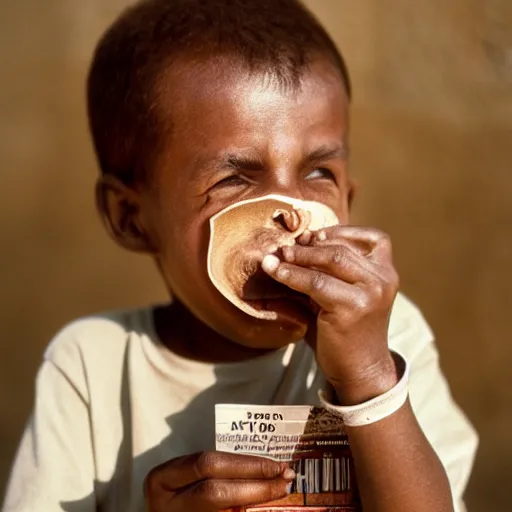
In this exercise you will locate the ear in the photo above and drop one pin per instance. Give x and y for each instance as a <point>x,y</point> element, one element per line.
<point>119,208</point>
<point>353,187</point>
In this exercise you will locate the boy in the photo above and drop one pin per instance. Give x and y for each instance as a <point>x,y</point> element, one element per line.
<point>195,105</point>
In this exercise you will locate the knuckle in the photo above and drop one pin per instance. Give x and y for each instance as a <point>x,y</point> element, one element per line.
<point>213,491</point>
<point>386,288</point>
<point>283,272</point>
<point>363,303</point>
<point>204,465</point>
<point>378,291</point>
<point>394,279</point>
<point>268,468</point>
<point>337,256</point>
<point>318,282</point>
<point>383,239</point>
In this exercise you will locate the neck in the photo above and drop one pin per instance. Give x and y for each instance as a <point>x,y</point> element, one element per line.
<point>182,333</point>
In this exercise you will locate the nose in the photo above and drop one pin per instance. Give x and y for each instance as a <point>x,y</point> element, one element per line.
<point>285,182</point>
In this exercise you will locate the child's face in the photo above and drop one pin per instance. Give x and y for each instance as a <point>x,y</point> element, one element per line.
<point>234,137</point>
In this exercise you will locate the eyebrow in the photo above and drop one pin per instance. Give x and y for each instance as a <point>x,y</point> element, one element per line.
<point>326,152</point>
<point>252,162</point>
<point>242,162</point>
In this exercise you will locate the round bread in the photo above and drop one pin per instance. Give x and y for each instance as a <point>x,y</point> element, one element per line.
<point>244,232</point>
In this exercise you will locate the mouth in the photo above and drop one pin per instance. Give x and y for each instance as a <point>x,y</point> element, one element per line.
<point>242,234</point>
<point>291,306</point>
<point>264,294</point>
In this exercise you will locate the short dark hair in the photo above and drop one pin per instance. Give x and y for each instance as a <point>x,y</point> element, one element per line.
<point>279,37</point>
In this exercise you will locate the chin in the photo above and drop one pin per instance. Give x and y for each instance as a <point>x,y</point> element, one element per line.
<point>289,327</point>
<point>292,319</point>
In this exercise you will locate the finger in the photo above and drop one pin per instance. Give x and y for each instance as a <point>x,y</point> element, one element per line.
<point>363,239</point>
<point>184,471</point>
<point>327,291</point>
<point>213,495</point>
<point>336,260</point>
<point>362,233</point>
<point>305,238</point>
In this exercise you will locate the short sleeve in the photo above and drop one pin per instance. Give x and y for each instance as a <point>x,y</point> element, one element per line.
<point>54,464</point>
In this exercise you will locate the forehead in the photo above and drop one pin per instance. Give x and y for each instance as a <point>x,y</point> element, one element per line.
<point>215,105</point>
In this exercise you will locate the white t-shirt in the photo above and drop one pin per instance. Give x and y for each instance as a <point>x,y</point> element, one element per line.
<point>112,403</point>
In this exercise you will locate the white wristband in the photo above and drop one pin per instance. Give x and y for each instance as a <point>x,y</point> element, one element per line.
<point>377,408</point>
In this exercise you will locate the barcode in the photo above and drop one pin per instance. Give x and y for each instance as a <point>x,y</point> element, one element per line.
<point>322,475</point>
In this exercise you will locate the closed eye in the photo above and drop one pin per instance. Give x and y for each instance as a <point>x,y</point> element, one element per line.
<point>320,173</point>
<point>233,180</point>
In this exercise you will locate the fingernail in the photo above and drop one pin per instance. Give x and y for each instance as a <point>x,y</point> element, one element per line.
<point>289,488</point>
<point>289,474</point>
<point>270,263</point>
<point>321,235</point>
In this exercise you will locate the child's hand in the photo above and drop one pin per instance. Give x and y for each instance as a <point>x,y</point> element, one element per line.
<point>349,275</point>
<point>213,481</point>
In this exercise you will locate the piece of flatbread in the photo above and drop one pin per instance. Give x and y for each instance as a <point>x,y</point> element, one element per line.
<point>243,233</point>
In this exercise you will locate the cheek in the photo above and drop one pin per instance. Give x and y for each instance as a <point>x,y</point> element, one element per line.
<point>343,212</point>
<point>183,263</point>
<point>178,225</point>
<point>181,241</point>
<point>187,246</point>
<point>337,201</point>
<point>343,204</point>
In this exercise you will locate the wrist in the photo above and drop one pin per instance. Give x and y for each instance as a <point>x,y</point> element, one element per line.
<point>377,378</point>
<point>376,408</point>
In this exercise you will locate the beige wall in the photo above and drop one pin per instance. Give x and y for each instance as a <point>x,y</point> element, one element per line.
<point>432,150</point>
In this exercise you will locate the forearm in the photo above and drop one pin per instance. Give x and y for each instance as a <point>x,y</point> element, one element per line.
<point>397,469</point>
<point>348,273</point>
